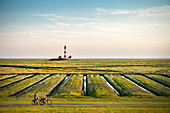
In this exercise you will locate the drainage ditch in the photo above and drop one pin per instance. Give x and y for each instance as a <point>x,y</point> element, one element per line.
<point>9,77</point>
<point>165,75</point>
<point>16,81</point>
<point>137,84</point>
<point>168,86</point>
<point>85,84</point>
<point>57,86</point>
<point>110,85</point>
<point>17,93</point>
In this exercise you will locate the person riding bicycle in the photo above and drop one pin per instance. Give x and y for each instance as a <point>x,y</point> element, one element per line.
<point>45,98</point>
<point>36,98</point>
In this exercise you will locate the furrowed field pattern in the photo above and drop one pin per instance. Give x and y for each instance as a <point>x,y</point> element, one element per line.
<point>85,79</point>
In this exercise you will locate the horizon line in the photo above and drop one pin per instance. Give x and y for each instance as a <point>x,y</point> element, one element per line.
<point>79,58</point>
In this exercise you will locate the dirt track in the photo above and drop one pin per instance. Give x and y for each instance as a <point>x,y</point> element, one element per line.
<point>88,105</point>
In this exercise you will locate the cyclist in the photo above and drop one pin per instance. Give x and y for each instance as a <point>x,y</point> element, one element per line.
<point>45,98</point>
<point>36,98</point>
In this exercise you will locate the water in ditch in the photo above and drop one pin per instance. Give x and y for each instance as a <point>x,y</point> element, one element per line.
<point>84,85</point>
<point>65,78</point>
<point>110,86</point>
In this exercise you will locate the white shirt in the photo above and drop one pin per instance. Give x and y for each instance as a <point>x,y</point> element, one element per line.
<point>44,95</point>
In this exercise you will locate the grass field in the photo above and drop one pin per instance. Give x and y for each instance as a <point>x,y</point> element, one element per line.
<point>86,66</point>
<point>82,109</point>
<point>44,76</point>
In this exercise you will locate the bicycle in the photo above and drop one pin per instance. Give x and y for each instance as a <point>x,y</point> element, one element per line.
<point>42,102</point>
<point>33,102</point>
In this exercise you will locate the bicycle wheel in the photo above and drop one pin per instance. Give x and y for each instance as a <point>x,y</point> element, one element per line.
<point>41,102</point>
<point>33,102</point>
<point>49,102</point>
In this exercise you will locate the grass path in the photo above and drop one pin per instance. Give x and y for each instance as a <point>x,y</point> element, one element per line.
<point>87,105</point>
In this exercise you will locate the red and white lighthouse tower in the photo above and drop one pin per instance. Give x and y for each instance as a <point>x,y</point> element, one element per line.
<point>65,52</point>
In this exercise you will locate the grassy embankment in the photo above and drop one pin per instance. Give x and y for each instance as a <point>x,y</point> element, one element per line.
<point>15,79</point>
<point>161,79</point>
<point>4,77</point>
<point>71,88</point>
<point>5,92</point>
<point>150,85</point>
<point>125,87</point>
<point>45,86</point>
<point>97,87</point>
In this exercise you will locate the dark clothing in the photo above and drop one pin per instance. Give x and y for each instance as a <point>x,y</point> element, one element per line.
<point>35,96</point>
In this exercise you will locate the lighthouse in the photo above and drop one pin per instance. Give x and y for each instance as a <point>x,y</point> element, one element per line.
<point>65,52</point>
<point>65,56</point>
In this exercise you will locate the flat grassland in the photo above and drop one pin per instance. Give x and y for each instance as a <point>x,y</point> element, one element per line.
<point>138,81</point>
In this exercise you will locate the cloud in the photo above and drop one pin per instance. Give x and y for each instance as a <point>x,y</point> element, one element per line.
<point>101,9</point>
<point>46,15</point>
<point>50,17</point>
<point>78,18</point>
<point>62,24</point>
<point>55,18</point>
<point>107,26</point>
<point>22,26</point>
<point>120,12</point>
<point>162,11</point>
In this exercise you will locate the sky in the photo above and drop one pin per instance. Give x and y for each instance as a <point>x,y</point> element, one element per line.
<point>89,28</point>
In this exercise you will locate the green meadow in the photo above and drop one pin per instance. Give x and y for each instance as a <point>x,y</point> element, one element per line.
<point>82,109</point>
<point>138,81</point>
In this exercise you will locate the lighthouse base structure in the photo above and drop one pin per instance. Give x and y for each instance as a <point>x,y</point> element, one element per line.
<point>57,59</point>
